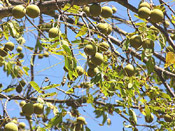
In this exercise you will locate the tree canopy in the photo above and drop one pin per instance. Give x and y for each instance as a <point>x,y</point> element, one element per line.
<point>92,55</point>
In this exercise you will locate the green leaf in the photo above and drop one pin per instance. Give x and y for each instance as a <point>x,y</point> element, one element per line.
<point>26,69</point>
<point>49,94</point>
<point>83,30</point>
<point>55,120</point>
<point>133,115</point>
<point>67,50</point>
<point>35,86</point>
<point>150,65</point>
<point>50,86</point>
<point>104,118</point>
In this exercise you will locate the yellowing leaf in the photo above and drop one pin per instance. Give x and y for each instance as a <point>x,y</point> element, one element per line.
<point>170,59</point>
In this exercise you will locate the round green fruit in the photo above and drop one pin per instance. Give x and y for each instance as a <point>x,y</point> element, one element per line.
<point>28,109</point>
<point>18,11</point>
<point>148,43</point>
<point>167,23</point>
<point>144,12</point>
<point>53,32</point>
<point>9,46</point>
<point>11,127</point>
<point>21,56</point>
<point>22,103</point>
<point>86,9</point>
<point>19,89</point>
<point>91,65</point>
<point>81,120</point>
<point>156,16</point>
<point>46,54</point>
<point>19,49</point>
<point>173,36</point>
<point>40,56</point>
<point>114,10</point>
<point>103,46</point>
<point>129,69</point>
<point>85,85</point>
<point>32,11</point>
<point>22,125</point>
<point>22,83</point>
<point>168,118</point>
<point>106,12</point>
<point>156,31</point>
<point>135,41</point>
<point>80,70</point>
<point>109,29</point>
<point>103,28</point>
<point>92,72</point>
<point>97,59</point>
<point>144,4</point>
<point>95,10</point>
<point>38,108</point>
<point>150,119</point>
<point>90,49</point>
<point>3,52</point>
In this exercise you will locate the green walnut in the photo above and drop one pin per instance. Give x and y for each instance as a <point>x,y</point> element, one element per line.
<point>103,28</point>
<point>168,118</point>
<point>46,54</point>
<point>40,56</point>
<point>19,89</point>
<point>109,29</point>
<point>90,64</point>
<point>154,29</point>
<point>11,127</point>
<point>106,12</point>
<point>53,32</point>
<point>156,16</point>
<point>173,36</point>
<point>148,43</point>
<point>22,103</point>
<point>90,49</point>
<point>18,11</point>
<point>167,23</point>
<point>81,120</point>
<point>144,4</point>
<point>38,108</point>
<point>85,85</point>
<point>19,49</point>
<point>92,72</point>
<point>103,46</point>
<point>135,41</point>
<point>32,11</point>
<point>149,119</point>
<point>22,83</point>
<point>20,55</point>
<point>3,52</point>
<point>28,109</point>
<point>129,69</point>
<point>9,46</point>
<point>144,12</point>
<point>80,70</point>
<point>22,125</point>
<point>86,9</point>
<point>95,10</point>
<point>114,10</point>
<point>97,59</point>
